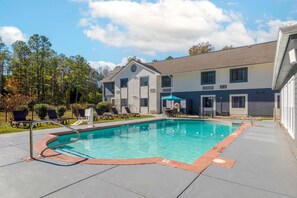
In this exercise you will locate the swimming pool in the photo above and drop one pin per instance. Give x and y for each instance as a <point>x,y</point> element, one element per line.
<point>179,140</point>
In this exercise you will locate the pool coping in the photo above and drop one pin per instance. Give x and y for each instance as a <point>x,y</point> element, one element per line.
<point>198,166</point>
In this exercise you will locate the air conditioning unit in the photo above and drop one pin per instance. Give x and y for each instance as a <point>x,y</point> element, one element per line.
<point>207,87</point>
<point>168,90</point>
<point>153,90</point>
<point>223,86</point>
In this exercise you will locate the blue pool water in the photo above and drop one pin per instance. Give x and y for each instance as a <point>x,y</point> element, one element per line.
<point>180,140</point>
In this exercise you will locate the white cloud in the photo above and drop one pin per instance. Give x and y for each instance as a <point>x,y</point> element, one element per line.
<point>268,31</point>
<point>102,64</point>
<point>170,25</point>
<point>84,22</point>
<point>110,65</point>
<point>231,3</point>
<point>10,34</point>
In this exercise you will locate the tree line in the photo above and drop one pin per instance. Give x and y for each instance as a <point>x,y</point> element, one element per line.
<point>35,70</point>
<point>200,48</point>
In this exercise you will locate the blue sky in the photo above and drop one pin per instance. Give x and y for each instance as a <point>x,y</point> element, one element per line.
<point>107,32</point>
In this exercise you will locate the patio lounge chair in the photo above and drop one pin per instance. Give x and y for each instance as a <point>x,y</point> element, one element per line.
<point>52,115</point>
<point>130,113</point>
<point>174,112</point>
<point>117,114</point>
<point>81,114</point>
<point>19,117</point>
<point>171,112</point>
<point>103,115</point>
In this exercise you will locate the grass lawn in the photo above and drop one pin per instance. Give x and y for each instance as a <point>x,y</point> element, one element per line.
<point>6,128</point>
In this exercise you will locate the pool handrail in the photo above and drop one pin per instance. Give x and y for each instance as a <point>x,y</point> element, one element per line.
<point>248,117</point>
<point>34,122</point>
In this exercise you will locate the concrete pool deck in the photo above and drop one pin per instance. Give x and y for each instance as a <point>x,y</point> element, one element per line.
<point>265,167</point>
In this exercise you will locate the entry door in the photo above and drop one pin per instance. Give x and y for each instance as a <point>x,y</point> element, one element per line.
<point>207,105</point>
<point>134,103</point>
<point>276,111</point>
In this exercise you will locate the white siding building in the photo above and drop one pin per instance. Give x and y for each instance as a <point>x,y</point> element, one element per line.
<point>285,77</point>
<point>226,82</point>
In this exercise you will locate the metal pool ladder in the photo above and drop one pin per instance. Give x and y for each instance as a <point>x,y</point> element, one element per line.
<point>242,119</point>
<point>33,123</point>
<point>246,118</point>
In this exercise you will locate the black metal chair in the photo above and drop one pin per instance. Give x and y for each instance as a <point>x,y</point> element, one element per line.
<point>117,114</point>
<point>52,115</point>
<point>130,113</point>
<point>19,117</point>
<point>102,115</point>
<point>81,113</point>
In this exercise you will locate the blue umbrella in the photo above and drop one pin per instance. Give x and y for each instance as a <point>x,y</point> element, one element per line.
<point>171,97</point>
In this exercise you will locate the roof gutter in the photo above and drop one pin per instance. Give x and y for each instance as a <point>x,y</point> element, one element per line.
<point>281,48</point>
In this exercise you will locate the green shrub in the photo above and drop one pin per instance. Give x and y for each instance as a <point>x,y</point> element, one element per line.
<point>41,110</point>
<point>23,108</point>
<point>61,110</point>
<point>104,106</point>
<point>90,105</point>
<point>50,107</point>
<point>75,107</point>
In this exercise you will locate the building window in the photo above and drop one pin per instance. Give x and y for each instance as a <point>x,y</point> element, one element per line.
<point>124,102</point>
<point>208,78</point>
<point>207,102</point>
<point>133,68</point>
<point>144,81</point>
<point>238,101</point>
<point>124,82</point>
<point>166,81</point>
<point>109,89</point>
<point>143,102</point>
<point>238,75</point>
<point>278,101</point>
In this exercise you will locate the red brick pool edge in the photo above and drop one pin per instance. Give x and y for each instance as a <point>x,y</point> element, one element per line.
<point>210,157</point>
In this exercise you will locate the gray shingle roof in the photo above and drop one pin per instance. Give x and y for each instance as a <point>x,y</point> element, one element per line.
<point>113,73</point>
<point>240,56</point>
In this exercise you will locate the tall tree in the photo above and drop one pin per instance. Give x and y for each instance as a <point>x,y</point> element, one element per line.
<point>131,58</point>
<point>201,48</point>
<point>39,72</point>
<point>4,59</point>
<point>226,47</point>
<point>169,58</point>
<point>21,68</point>
<point>40,47</point>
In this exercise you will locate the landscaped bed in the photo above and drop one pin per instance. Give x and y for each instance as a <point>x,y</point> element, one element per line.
<point>6,128</point>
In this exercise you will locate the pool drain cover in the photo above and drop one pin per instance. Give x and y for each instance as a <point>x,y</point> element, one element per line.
<point>219,161</point>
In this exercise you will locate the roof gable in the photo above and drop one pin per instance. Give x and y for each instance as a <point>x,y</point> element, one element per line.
<point>147,67</point>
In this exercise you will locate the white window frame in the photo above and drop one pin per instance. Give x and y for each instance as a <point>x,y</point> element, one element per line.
<point>244,110</point>
<point>214,103</point>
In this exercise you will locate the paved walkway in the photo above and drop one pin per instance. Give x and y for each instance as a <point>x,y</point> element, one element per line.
<point>265,167</point>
